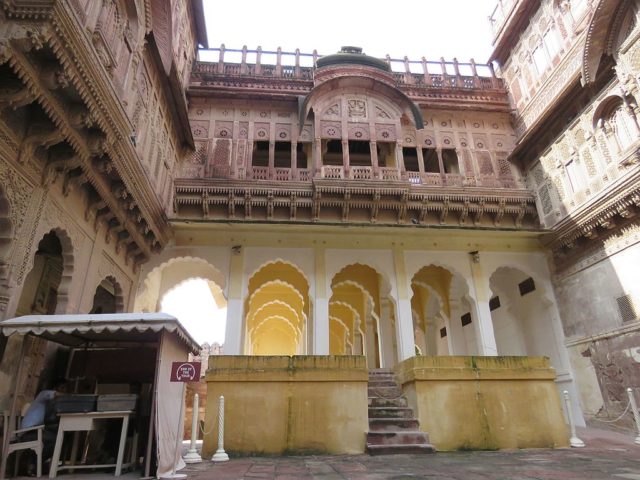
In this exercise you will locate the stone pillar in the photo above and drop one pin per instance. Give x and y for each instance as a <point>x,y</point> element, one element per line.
<point>420,158</point>
<point>372,347</point>
<point>235,322</point>
<point>321,306</point>
<point>317,157</point>
<point>294,160</point>
<point>272,156</point>
<point>373,148</point>
<point>404,318</point>
<point>345,159</point>
<point>386,334</point>
<point>484,324</point>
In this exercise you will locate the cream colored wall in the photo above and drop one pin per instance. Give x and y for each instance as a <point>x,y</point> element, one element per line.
<point>287,405</point>
<point>478,403</point>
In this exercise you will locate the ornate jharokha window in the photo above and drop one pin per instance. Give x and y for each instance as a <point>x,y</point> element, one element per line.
<point>575,175</point>
<point>622,126</point>
<point>546,50</point>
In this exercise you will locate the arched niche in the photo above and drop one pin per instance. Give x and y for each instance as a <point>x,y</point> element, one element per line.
<point>108,297</point>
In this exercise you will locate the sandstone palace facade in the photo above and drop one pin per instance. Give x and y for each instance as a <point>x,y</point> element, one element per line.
<point>405,213</point>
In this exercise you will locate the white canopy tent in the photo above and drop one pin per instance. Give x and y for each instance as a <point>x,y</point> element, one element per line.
<point>162,331</point>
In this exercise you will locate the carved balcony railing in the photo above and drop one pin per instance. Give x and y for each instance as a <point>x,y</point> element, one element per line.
<point>387,173</point>
<point>330,171</point>
<point>282,174</point>
<point>361,173</point>
<point>260,173</point>
<point>418,178</point>
<point>301,66</point>
<point>453,179</point>
<point>304,175</point>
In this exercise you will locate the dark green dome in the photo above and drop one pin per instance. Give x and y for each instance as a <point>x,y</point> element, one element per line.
<point>352,56</point>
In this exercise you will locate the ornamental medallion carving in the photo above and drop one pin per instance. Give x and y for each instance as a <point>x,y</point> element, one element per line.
<point>200,128</point>
<point>283,132</point>
<point>331,129</point>
<point>223,129</point>
<point>359,131</point>
<point>357,108</point>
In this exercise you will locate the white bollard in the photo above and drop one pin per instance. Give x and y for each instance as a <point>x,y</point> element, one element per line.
<point>574,441</point>
<point>192,455</point>
<point>636,415</point>
<point>220,455</point>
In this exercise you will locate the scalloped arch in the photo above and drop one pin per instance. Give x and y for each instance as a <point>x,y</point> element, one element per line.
<point>67,267</point>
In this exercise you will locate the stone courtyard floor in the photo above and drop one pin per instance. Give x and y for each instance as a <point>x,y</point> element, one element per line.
<point>607,455</point>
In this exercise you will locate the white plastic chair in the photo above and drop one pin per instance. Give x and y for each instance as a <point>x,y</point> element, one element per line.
<point>17,445</point>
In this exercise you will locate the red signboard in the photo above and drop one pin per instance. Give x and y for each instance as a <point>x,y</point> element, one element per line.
<point>185,371</point>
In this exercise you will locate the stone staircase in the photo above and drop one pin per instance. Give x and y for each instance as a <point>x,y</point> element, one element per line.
<point>392,426</point>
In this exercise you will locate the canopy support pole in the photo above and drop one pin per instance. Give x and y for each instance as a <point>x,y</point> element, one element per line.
<point>152,417</point>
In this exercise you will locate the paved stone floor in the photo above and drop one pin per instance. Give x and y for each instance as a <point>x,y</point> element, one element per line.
<point>607,455</point>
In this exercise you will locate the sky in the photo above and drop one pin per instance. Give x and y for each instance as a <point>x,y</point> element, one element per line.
<point>415,28</point>
<point>192,304</point>
<point>426,28</point>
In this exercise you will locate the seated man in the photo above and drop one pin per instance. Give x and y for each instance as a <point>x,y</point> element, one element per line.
<point>42,412</point>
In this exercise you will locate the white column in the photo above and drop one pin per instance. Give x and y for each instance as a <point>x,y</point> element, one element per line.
<point>404,319</point>
<point>320,307</point>
<point>484,324</point>
<point>235,322</point>
<point>386,335</point>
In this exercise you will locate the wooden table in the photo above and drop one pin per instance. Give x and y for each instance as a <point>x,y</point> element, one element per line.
<point>84,422</point>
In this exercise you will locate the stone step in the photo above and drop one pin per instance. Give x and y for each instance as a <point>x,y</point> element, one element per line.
<point>390,412</point>
<point>387,402</point>
<point>382,383</point>
<point>392,424</point>
<point>397,438</point>
<point>385,392</point>
<point>402,448</point>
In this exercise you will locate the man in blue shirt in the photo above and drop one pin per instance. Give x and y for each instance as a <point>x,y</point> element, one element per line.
<point>42,412</point>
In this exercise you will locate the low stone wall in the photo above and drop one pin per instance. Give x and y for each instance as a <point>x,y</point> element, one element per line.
<point>485,403</point>
<point>292,405</point>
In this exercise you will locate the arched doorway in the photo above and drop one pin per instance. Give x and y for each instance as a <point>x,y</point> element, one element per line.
<point>522,316</point>
<point>362,317</point>
<point>44,292</point>
<point>40,289</point>
<point>443,313</point>
<point>276,310</point>
<point>108,297</point>
<point>191,289</point>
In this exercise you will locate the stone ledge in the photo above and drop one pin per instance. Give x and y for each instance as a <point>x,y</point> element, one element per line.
<point>469,368</point>
<point>309,368</point>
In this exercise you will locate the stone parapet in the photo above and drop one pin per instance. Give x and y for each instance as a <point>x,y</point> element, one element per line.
<point>292,405</point>
<point>485,403</point>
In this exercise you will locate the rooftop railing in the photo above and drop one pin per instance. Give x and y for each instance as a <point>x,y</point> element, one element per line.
<point>297,65</point>
<point>500,14</point>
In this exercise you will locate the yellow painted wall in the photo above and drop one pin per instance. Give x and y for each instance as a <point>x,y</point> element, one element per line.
<point>294,405</point>
<point>481,403</point>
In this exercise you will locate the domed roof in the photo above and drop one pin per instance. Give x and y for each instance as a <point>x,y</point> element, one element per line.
<point>352,56</point>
